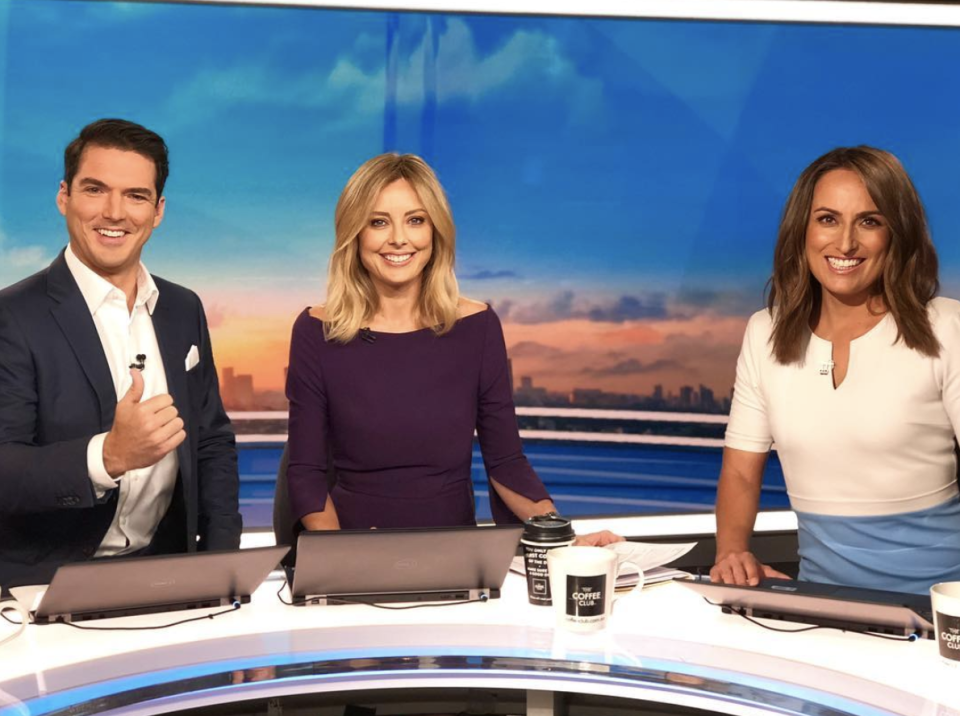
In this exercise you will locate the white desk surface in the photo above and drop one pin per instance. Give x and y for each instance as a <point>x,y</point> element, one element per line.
<point>665,627</point>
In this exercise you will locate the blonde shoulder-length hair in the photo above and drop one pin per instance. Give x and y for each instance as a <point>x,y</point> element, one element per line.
<point>352,299</point>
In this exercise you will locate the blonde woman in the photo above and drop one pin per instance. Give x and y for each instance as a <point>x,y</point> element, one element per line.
<point>389,379</point>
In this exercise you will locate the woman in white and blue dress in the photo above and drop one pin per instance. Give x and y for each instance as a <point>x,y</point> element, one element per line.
<point>853,372</point>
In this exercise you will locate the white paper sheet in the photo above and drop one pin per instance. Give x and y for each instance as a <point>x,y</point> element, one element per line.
<point>648,556</point>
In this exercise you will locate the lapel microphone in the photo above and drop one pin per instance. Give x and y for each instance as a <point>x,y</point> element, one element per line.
<point>140,362</point>
<point>367,336</point>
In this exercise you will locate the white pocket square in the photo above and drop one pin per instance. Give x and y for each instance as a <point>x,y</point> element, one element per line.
<point>193,357</point>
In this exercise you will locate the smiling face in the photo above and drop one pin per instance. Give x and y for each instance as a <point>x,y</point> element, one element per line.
<point>397,241</point>
<point>847,238</point>
<point>111,209</point>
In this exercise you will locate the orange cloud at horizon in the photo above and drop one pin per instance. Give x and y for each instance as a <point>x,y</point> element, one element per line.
<point>254,345</point>
<point>578,334</point>
<point>629,357</point>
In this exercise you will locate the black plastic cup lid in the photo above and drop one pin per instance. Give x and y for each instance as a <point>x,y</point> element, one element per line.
<point>548,529</point>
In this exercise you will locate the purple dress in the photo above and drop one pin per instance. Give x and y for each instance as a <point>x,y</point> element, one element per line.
<point>397,412</point>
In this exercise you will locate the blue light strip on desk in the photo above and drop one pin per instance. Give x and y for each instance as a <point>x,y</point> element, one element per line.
<point>773,696</point>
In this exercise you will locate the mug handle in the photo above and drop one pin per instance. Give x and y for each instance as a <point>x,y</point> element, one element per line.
<point>14,606</point>
<point>636,568</point>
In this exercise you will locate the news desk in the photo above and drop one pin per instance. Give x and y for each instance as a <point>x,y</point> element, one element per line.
<point>665,651</point>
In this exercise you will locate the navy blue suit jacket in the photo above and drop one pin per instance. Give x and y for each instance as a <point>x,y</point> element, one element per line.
<point>56,393</point>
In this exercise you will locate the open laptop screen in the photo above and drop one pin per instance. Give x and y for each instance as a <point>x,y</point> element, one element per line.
<point>436,564</point>
<point>117,587</point>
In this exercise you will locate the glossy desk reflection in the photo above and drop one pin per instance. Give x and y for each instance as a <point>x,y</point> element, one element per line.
<point>664,644</point>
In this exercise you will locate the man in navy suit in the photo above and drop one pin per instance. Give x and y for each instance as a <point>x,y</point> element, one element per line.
<point>113,437</point>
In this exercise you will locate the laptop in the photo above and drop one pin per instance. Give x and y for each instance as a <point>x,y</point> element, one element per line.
<point>829,605</point>
<point>403,565</point>
<point>108,588</point>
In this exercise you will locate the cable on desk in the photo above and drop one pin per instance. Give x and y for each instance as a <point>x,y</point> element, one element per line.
<point>340,600</point>
<point>233,608</point>
<point>742,612</point>
<point>3,613</point>
<point>22,623</point>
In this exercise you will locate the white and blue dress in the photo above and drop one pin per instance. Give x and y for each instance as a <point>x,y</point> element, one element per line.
<point>870,465</point>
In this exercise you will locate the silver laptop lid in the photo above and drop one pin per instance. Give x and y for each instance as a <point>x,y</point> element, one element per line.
<point>116,587</point>
<point>447,563</point>
<point>850,608</point>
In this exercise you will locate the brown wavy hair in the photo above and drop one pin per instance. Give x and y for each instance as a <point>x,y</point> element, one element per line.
<point>909,278</point>
<point>352,299</point>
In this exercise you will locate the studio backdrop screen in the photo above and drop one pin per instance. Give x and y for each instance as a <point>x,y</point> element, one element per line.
<point>616,183</point>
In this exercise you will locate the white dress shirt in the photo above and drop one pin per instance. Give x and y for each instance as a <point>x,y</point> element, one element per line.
<point>145,493</point>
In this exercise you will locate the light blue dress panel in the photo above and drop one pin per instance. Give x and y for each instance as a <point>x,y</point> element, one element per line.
<point>908,552</point>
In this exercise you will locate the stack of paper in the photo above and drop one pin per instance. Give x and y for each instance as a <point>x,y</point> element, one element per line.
<point>650,558</point>
<point>647,556</point>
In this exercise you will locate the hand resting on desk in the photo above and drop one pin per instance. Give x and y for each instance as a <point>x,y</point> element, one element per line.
<point>742,568</point>
<point>598,539</point>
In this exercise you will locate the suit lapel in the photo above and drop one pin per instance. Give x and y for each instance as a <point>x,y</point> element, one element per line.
<point>166,326</point>
<point>71,313</point>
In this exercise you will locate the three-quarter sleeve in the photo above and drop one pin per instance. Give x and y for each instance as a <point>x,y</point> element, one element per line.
<point>306,442</point>
<point>497,428</point>
<point>749,426</point>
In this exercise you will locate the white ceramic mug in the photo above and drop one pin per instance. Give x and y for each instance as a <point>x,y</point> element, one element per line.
<point>582,582</point>
<point>945,599</point>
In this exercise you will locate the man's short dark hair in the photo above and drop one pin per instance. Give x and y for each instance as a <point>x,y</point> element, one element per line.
<point>118,134</point>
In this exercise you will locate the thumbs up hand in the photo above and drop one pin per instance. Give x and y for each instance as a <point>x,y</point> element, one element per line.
<point>142,432</point>
<point>135,391</point>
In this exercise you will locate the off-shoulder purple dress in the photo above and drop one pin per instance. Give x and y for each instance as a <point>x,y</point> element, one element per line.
<point>398,414</point>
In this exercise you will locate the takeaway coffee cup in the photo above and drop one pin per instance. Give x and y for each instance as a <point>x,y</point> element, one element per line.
<point>945,598</point>
<point>582,581</point>
<point>542,533</point>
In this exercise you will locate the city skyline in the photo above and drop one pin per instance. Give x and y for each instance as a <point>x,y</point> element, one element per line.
<point>630,357</point>
<point>240,393</point>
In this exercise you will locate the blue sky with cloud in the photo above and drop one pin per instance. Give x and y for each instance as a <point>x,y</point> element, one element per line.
<point>646,151</point>
<point>598,169</point>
